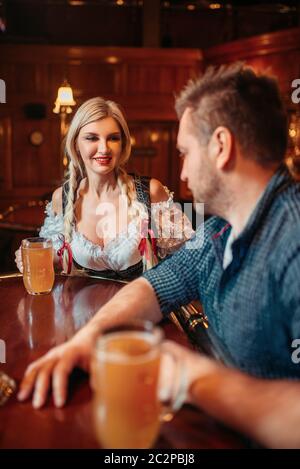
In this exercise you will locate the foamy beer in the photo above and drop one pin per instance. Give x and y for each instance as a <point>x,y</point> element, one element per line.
<point>38,270</point>
<point>126,382</point>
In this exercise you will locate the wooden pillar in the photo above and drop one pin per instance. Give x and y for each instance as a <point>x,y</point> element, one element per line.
<point>151,23</point>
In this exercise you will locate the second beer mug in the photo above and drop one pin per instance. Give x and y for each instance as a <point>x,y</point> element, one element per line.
<point>38,270</point>
<point>129,404</point>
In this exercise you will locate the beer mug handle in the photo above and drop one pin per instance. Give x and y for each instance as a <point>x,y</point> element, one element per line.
<point>173,385</point>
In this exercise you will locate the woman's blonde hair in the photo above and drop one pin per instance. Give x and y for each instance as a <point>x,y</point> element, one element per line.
<point>90,111</point>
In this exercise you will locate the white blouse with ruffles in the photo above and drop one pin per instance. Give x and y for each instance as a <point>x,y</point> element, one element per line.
<point>122,252</point>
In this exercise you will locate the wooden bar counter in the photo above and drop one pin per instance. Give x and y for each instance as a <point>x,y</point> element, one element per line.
<point>31,325</point>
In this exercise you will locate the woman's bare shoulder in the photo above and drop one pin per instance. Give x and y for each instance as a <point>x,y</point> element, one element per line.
<point>158,192</point>
<point>57,201</point>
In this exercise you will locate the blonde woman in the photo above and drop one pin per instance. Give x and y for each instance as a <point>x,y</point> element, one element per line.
<point>100,220</point>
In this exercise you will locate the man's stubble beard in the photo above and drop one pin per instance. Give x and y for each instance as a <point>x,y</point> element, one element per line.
<point>212,195</point>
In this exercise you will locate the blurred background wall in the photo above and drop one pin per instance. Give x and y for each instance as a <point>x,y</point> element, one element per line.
<point>138,53</point>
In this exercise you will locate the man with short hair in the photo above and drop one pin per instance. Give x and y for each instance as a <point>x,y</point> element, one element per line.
<point>246,271</point>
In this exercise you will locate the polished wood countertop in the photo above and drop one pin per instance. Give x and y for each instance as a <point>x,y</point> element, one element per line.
<point>31,325</point>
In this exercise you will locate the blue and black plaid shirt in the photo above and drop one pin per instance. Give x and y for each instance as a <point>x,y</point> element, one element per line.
<point>254,304</point>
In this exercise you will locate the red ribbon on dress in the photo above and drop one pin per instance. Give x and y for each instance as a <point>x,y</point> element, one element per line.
<point>60,253</point>
<point>147,233</point>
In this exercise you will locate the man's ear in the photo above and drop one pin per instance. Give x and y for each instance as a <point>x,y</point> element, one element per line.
<point>221,146</point>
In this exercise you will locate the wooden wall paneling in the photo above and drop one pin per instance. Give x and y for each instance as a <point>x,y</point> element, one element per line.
<point>183,74</point>
<point>103,79</point>
<point>96,79</point>
<point>28,84</point>
<point>145,107</point>
<point>36,166</point>
<point>25,78</point>
<point>149,79</point>
<point>284,67</point>
<point>244,49</point>
<point>5,155</point>
<point>151,149</point>
<point>42,79</point>
<point>143,81</point>
<point>276,53</point>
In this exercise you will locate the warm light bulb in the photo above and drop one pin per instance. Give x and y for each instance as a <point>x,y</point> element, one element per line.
<point>154,137</point>
<point>64,99</point>
<point>215,6</point>
<point>112,59</point>
<point>76,3</point>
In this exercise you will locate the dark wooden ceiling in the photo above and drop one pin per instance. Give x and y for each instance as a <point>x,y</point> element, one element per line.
<point>173,23</point>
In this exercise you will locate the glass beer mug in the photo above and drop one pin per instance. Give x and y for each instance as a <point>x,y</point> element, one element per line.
<point>38,269</point>
<point>126,378</point>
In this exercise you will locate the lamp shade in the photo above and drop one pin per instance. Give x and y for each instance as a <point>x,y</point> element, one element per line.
<point>64,99</point>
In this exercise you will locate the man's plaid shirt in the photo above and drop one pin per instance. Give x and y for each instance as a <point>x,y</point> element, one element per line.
<point>254,304</point>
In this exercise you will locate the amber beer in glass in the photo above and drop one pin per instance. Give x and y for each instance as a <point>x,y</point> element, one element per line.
<point>127,377</point>
<point>125,373</point>
<point>38,270</point>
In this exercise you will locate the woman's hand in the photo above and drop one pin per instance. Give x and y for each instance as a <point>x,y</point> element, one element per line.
<point>18,260</point>
<point>54,369</point>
